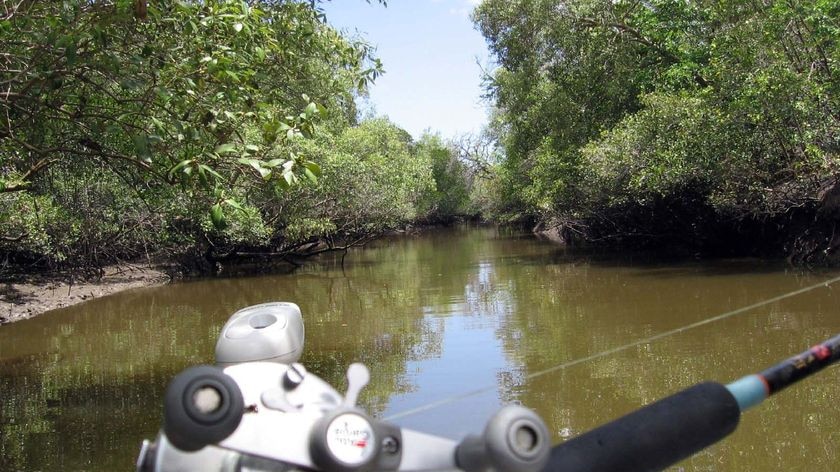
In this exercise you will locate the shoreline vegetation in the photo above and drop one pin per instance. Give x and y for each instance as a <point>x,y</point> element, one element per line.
<point>29,294</point>
<point>202,133</point>
<point>708,126</point>
<point>214,133</point>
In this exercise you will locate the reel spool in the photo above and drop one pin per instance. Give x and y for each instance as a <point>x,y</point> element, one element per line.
<point>269,332</point>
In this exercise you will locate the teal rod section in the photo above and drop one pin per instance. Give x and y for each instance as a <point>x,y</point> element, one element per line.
<point>748,391</point>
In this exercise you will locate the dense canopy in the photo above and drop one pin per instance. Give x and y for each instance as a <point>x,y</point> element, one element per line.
<point>686,122</point>
<point>193,129</point>
<point>219,130</point>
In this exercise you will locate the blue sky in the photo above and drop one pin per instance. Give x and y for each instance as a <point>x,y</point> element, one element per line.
<point>429,49</point>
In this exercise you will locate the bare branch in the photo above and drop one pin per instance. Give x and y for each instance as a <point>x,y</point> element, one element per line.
<point>13,239</point>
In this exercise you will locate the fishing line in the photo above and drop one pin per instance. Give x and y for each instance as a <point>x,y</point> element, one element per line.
<point>615,350</point>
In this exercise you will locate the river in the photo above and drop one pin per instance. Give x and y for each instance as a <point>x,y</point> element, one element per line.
<point>435,316</point>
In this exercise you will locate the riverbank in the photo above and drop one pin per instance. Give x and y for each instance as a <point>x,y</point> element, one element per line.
<point>29,295</point>
<point>33,295</point>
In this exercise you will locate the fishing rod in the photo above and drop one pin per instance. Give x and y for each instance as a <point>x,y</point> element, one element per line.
<point>676,427</point>
<point>259,410</point>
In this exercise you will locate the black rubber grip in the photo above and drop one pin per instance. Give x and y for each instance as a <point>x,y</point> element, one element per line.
<point>654,437</point>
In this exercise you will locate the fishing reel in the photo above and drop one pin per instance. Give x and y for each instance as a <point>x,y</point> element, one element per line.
<point>260,410</point>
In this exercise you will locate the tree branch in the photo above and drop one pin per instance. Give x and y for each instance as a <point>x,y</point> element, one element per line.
<point>13,239</point>
<point>623,28</point>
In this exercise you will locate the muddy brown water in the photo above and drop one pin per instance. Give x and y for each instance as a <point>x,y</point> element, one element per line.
<point>435,316</point>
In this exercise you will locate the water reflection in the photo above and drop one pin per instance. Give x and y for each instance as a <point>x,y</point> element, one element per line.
<point>435,316</point>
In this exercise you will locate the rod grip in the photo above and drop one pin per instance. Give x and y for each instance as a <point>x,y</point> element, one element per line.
<point>654,437</point>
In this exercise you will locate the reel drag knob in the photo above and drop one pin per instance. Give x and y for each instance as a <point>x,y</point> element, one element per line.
<point>348,440</point>
<point>202,406</point>
<point>344,440</point>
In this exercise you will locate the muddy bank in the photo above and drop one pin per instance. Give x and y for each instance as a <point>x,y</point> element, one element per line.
<point>25,297</point>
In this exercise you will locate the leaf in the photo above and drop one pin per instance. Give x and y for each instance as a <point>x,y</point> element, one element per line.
<point>158,124</point>
<point>309,175</point>
<point>255,164</point>
<point>217,217</point>
<point>307,130</point>
<point>181,165</point>
<point>209,170</point>
<point>258,166</point>
<point>202,176</point>
<point>163,94</point>
<point>313,167</point>
<point>234,204</point>
<point>227,148</point>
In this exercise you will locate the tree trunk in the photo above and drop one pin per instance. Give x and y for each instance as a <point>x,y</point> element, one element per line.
<point>141,9</point>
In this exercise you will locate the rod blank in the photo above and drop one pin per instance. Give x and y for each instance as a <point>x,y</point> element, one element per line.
<point>668,431</point>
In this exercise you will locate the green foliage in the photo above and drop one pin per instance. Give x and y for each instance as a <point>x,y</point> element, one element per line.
<point>168,95</point>
<point>655,152</point>
<point>188,123</point>
<point>449,198</point>
<point>189,128</point>
<point>555,89</point>
<point>37,225</point>
<point>371,181</point>
<point>625,103</point>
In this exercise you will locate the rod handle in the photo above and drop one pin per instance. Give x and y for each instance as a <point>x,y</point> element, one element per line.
<point>654,437</point>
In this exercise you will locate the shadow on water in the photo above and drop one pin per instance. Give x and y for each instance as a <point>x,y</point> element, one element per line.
<point>655,264</point>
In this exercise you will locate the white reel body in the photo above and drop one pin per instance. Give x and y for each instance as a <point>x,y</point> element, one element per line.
<point>259,410</point>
